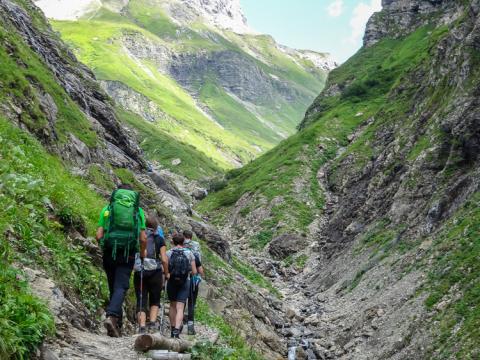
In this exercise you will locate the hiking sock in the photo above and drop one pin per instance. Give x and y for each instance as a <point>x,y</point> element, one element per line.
<point>191,328</point>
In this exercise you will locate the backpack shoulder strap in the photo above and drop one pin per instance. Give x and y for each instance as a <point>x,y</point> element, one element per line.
<point>112,197</point>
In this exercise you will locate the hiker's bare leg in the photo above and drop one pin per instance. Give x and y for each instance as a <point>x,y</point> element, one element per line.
<point>172,313</point>
<point>179,314</point>
<point>153,313</point>
<point>142,318</point>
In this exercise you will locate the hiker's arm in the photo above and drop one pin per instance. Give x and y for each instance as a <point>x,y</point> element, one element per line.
<point>194,267</point>
<point>99,234</point>
<point>163,254</point>
<point>200,271</point>
<point>143,243</point>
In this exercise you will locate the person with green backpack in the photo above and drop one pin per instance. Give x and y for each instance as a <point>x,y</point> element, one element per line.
<point>121,233</point>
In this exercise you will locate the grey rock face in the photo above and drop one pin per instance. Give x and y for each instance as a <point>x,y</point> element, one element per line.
<point>133,101</point>
<point>213,238</point>
<point>285,245</point>
<point>236,73</point>
<point>75,78</point>
<point>401,17</point>
<point>163,183</point>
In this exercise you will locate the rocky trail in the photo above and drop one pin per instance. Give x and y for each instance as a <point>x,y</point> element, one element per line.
<point>75,341</point>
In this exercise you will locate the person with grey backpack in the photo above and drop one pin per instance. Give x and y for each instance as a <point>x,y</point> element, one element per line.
<point>148,278</point>
<point>181,264</point>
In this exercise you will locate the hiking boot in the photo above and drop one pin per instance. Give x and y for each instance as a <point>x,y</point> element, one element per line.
<point>171,331</point>
<point>110,324</point>
<point>190,328</point>
<point>176,333</point>
<point>153,326</point>
<point>142,330</point>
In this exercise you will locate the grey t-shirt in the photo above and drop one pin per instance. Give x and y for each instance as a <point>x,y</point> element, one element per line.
<point>188,253</point>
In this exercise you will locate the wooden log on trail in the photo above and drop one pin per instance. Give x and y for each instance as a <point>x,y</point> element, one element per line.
<point>147,342</point>
<point>167,355</point>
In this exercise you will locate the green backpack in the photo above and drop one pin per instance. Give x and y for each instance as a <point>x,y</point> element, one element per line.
<point>123,223</point>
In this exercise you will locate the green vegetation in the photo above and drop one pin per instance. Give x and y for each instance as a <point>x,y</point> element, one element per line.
<point>261,239</point>
<point>16,88</point>
<point>161,147</point>
<point>24,320</point>
<point>41,203</point>
<point>301,260</point>
<point>33,181</point>
<point>236,132</point>
<point>98,177</point>
<point>126,176</point>
<point>96,45</point>
<point>254,276</point>
<point>235,117</point>
<point>455,279</point>
<point>235,346</point>
<point>371,76</point>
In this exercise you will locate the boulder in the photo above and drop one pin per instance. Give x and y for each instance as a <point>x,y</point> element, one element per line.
<point>163,183</point>
<point>213,238</point>
<point>286,244</point>
<point>199,194</point>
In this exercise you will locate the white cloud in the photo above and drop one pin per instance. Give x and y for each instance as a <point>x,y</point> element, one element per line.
<point>361,14</point>
<point>67,9</point>
<point>335,8</point>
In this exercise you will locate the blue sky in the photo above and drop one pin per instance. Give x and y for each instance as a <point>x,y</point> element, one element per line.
<point>334,26</point>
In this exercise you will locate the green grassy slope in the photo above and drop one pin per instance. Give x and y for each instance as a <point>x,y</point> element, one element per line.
<point>161,147</point>
<point>275,173</point>
<point>97,41</point>
<point>33,181</point>
<point>188,124</point>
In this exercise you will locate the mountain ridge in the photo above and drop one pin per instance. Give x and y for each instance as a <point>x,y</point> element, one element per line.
<point>255,89</point>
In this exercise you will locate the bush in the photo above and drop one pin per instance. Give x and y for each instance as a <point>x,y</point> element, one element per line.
<point>357,89</point>
<point>217,185</point>
<point>24,320</point>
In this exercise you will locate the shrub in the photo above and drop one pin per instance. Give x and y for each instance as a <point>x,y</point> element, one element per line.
<point>24,319</point>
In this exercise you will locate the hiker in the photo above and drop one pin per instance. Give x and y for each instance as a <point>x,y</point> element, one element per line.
<point>181,262</point>
<point>148,277</point>
<point>121,228</point>
<point>194,247</point>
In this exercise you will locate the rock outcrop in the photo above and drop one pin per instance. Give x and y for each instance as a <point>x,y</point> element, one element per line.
<point>77,80</point>
<point>225,14</point>
<point>399,18</point>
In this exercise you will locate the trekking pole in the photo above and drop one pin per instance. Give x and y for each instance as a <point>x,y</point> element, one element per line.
<point>163,307</point>
<point>141,295</point>
<point>192,289</point>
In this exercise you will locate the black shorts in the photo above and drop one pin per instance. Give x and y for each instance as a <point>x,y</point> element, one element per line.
<point>179,293</point>
<point>152,288</point>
